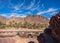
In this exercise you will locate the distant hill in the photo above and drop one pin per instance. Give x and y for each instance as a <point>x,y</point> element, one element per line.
<point>3,19</point>
<point>37,19</point>
<point>30,22</point>
<point>30,19</point>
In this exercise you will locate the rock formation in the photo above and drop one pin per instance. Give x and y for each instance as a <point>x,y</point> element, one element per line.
<point>30,19</point>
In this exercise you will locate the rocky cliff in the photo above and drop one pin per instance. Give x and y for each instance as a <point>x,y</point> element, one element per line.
<point>30,19</point>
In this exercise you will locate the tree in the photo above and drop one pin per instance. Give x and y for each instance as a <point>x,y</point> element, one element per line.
<point>43,25</point>
<point>2,25</point>
<point>35,25</point>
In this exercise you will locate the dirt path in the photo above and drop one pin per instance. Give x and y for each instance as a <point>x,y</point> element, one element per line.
<point>25,40</point>
<point>17,39</point>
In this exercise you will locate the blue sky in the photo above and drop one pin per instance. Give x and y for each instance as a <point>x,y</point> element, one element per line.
<point>23,8</point>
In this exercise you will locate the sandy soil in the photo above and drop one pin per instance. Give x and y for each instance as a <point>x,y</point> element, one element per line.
<point>24,40</point>
<point>16,39</point>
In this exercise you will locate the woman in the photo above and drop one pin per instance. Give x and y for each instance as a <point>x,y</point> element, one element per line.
<point>47,37</point>
<point>54,25</point>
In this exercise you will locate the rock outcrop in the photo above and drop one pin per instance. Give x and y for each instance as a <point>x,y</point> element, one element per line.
<point>30,19</point>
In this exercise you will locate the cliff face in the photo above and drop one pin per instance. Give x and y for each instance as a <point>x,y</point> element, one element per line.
<point>30,19</point>
<point>3,19</point>
<point>37,19</point>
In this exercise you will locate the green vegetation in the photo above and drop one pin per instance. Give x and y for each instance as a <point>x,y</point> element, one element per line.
<point>2,25</point>
<point>22,25</point>
<point>26,25</point>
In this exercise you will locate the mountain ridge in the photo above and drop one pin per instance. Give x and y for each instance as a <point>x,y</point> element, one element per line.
<point>30,19</point>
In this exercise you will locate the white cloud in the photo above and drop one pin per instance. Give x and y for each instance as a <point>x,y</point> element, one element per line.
<point>28,13</point>
<point>47,11</point>
<point>36,6</point>
<point>17,15</point>
<point>31,5</point>
<point>14,15</point>
<point>10,5</point>
<point>41,7</point>
<point>5,15</point>
<point>28,7</point>
<point>53,13</point>
<point>16,8</point>
<point>22,16</point>
<point>49,18</point>
<point>51,10</point>
<point>19,6</point>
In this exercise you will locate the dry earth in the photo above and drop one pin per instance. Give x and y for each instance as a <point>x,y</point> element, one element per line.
<point>17,39</point>
<point>25,40</point>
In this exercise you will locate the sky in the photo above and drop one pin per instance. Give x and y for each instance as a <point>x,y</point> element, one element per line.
<point>24,8</point>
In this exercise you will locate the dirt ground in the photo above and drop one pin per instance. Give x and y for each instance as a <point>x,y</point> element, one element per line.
<point>25,40</point>
<point>17,39</point>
